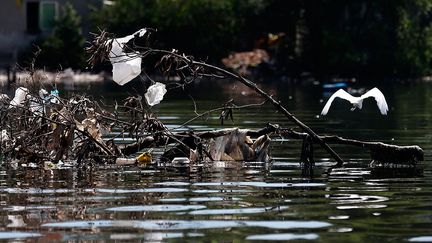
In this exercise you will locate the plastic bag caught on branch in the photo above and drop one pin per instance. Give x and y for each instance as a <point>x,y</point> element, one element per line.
<point>4,136</point>
<point>126,66</point>
<point>20,97</point>
<point>155,94</point>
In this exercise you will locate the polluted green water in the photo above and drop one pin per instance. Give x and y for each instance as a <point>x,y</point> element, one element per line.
<point>240,201</point>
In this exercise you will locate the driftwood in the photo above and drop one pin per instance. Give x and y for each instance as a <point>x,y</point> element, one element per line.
<point>380,152</point>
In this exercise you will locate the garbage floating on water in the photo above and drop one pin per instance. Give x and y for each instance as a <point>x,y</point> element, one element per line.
<point>144,158</point>
<point>125,161</point>
<point>236,147</point>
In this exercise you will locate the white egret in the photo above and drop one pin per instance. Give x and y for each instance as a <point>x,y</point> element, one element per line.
<point>357,102</point>
<point>20,97</point>
<point>126,66</point>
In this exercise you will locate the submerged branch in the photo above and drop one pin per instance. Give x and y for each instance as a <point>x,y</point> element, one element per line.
<point>381,152</point>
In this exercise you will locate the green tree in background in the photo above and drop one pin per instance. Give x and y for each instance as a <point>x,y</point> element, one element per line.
<point>383,38</point>
<point>414,35</point>
<point>375,38</point>
<point>65,45</point>
<point>205,28</point>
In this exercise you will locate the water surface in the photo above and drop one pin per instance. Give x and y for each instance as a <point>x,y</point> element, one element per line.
<point>241,201</point>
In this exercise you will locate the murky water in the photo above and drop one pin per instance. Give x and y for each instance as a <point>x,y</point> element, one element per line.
<point>228,202</point>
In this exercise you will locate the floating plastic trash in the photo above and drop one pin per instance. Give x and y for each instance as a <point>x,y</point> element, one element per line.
<point>144,158</point>
<point>125,161</point>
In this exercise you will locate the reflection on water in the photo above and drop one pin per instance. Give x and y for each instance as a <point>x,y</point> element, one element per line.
<point>286,236</point>
<point>240,201</point>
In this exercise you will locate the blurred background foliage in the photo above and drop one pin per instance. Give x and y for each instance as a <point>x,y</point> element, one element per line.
<point>327,38</point>
<point>64,47</point>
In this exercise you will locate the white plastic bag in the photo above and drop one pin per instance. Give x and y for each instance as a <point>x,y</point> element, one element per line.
<point>20,97</point>
<point>4,97</point>
<point>4,136</point>
<point>155,94</point>
<point>126,66</point>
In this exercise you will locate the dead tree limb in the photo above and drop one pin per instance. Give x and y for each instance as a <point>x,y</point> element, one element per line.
<point>190,62</point>
<point>381,152</point>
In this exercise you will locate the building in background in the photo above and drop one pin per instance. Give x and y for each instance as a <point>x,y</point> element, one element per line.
<point>22,21</point>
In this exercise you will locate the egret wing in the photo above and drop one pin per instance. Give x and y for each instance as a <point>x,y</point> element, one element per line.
<point>380,99</point>
<point>340,94</point>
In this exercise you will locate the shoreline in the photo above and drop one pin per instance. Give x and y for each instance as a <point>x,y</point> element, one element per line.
<point>69,76</point>
<point>61,77</point>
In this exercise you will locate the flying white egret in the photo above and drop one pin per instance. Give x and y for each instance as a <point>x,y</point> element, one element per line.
<point>357,102</point>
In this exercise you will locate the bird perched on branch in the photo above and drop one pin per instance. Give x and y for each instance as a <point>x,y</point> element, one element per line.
<point>357,102</point>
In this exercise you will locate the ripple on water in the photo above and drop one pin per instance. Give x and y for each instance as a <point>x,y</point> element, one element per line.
<point>221,191</point>
<point>121,191</point>
<point>283,236</point>
<point>355,198</point>
<point>258,184</point>
<point>373,206</point>
<point>183,224</point>
<point>18,235</point>
<point>156,208</point>
<point>27,208</point>
<point>338,217</point>
<point>35,190</point>
<point>421,239</point>
<point>242,183</point>
<point>172,183</point>
<point>237,211</point>
<point>153,236</point>
<point>200,199</point>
